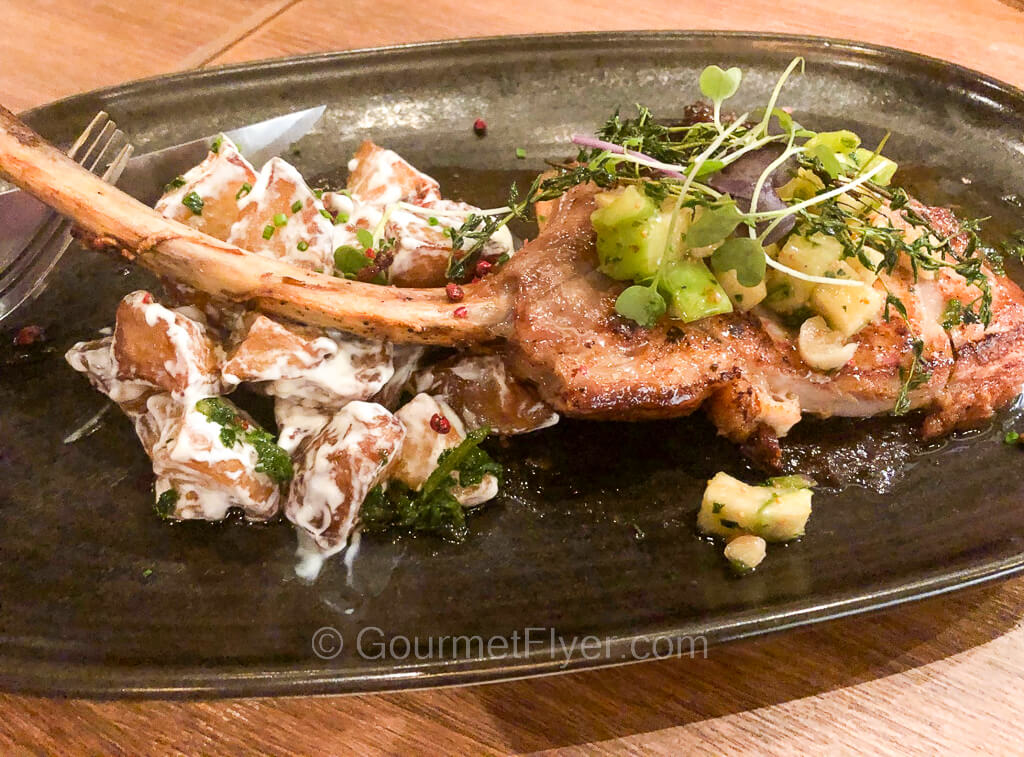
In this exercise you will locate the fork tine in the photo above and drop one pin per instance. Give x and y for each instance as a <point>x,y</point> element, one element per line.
<point>97,124</point>
<point>91,156</point>
<point>117,165</point>
<point>101,145</point>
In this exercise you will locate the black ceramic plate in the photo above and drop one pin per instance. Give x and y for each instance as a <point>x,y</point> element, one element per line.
<point>595,535</point>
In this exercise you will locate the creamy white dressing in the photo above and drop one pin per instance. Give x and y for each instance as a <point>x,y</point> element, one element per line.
<point>296,422</point>
<point>335,472</point>
<point>220,174</point>
<point>357,369</point>
<point>307,226</point>
<point>96,360</point>
<point>187,447</point>
<point>185,365</point>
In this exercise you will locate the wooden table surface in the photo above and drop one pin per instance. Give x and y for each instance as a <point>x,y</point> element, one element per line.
<point>944,673</point>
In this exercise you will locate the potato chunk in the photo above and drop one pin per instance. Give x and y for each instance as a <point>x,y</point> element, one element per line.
<point>381,177</point>
<point>337,468</point>
<point>96,360</point>
<point>424,444</point>
<point>217,181</point>
<point>320,368</point>
<point>165,347</point>
<point>204,475</point>
<point>281,218</point>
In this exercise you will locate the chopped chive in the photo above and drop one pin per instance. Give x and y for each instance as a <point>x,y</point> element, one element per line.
<point>433,221</point>
<point>243,190</point>
<point>318,193</point>
<point>326,214</point>
<point>296,206</point>
<point>1012,437</point>
<point>341,218</point>
<point>280,219</point>
<point>215,147</point>
<point>268,231</point>
<point>193,202</point>
<point>303,245</point>
<point>175,183</point>
<point>520,153</point>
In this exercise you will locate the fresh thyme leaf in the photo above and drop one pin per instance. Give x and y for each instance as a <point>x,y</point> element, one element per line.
<point>911,378</point>
<point>953,314</point>
<point>896,303</point>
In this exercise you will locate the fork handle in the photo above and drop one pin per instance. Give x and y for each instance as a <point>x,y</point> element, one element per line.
<point>112,220</point>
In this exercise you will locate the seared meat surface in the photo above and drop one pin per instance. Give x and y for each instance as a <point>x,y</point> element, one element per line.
<point>588,362</point>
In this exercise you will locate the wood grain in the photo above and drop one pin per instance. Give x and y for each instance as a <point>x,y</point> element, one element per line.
<point>982,34</point>
<point>54,48</point>
<point>939,675</point>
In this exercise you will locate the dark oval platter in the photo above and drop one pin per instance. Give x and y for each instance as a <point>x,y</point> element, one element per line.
<point>595,533</point>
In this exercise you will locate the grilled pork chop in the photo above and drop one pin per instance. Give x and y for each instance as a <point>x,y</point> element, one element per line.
<point>555,314</point>
<point>745,367</point>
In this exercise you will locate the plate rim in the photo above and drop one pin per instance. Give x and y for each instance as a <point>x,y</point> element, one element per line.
<point>48,678</point>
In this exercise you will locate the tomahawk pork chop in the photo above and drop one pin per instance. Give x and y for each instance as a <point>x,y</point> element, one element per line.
<point>745,367</point>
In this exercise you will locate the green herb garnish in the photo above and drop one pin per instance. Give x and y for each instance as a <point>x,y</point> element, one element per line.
<point>433,509</point>
<point>280,219</point>
<point>302,246</point>
<point>215,147</point>
<point>270,458</point>
<point>166,503</point>
<point>243,190</point>
<point>296,206</point>
<point>193,202</point>
<point>268,231</point>
<point>349,261</point>
<point>176,183</point>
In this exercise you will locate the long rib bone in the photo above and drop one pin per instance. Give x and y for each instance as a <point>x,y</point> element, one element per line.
<point>110,219</point>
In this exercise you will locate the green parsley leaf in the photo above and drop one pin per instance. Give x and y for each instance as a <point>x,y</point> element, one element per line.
<point>433,509</point>
<point>270,458</point>
<point>176,183</point>
<point>166,503</point>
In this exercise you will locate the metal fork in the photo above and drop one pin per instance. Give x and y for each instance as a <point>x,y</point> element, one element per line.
<point>103,149</point>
